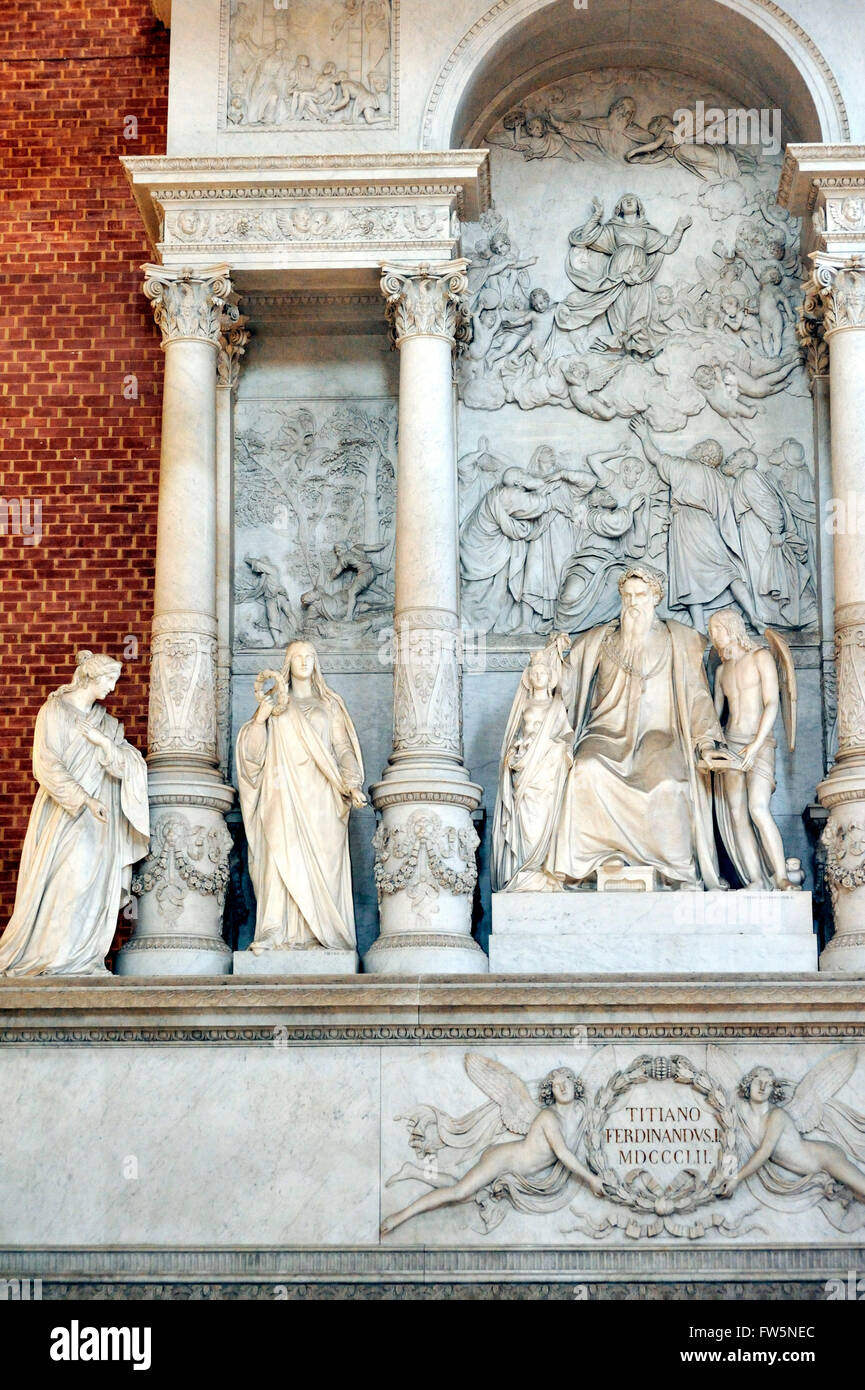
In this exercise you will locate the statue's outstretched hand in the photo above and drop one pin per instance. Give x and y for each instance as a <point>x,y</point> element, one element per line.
<point>357,798</point>
<point>97,809</point>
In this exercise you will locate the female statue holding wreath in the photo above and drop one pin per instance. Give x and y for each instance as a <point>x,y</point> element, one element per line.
<point>299,772</point>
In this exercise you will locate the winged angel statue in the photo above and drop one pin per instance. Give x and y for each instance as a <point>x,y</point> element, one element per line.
<point>780,1162</point>
<point>513,1150</point>
<point>752,682</point>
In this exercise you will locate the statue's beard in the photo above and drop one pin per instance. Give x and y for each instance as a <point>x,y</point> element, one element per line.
<point>635,624</point>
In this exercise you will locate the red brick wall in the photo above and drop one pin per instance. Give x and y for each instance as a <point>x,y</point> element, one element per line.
<point>74,324</point>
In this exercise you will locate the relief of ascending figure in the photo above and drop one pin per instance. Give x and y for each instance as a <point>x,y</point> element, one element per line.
<point>623,289</point>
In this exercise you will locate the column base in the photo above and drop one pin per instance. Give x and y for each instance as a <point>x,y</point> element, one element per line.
<point>154,956</point>
<point>425,953</point>
<point>290,961</point>
<point>180,886</point>
<point>425,869</point>
<point>842,843</point>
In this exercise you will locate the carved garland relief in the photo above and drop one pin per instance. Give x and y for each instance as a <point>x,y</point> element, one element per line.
<point>646,1149</point>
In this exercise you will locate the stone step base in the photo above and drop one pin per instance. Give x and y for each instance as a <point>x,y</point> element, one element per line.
<point>652,933</point>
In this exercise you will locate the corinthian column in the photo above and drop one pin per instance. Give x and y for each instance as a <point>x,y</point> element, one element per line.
<point>836,295</point>
<point>425,844</point>
<point>181,885</point>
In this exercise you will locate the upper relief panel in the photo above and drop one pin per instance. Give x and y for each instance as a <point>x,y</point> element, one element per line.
<point>633,389</point>
<point>307,65</point>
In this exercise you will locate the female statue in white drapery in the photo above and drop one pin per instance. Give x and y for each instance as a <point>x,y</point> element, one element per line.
<point>537,752</point>
<point>88,826</point>
<point>300,771</point>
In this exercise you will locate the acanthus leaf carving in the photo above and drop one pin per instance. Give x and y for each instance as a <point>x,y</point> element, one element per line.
<point>427,696</point>
<point>190,303</point>
<point>839,281</point>
<point>182,716</point>
<point>426,300</point>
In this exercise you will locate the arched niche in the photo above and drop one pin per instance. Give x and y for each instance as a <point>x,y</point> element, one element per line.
<point>748,46</point>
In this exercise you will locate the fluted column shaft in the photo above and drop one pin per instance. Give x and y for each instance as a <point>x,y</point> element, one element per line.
<point>425,843</point>
<point>836,294</point>
<point>181,885</point>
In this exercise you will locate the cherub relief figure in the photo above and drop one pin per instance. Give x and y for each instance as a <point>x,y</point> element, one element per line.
<point>748,685</point>
<point>533,1171</point>
<point>780,1163</point>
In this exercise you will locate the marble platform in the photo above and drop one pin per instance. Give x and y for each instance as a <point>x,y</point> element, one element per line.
<point>669,933</point>
<point>155,1099</point>
<point>305,960</point>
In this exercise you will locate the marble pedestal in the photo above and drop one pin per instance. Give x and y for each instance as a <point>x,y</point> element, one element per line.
<point>145,1098</point>
<point>651,933</point>
<point>302,960</point>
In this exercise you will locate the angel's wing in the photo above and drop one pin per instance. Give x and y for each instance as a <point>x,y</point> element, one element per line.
<point>786,682</point>
<point>805,1106</point>
<point>601,371</point>
<point>503,1086</point>
<point>720,1064</point>
<point>598,1066</point>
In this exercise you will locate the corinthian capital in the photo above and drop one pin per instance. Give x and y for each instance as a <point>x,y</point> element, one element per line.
<point>838,282</point>
<point>232,346</point>
<point>190,303</point>
<point>426,300</point>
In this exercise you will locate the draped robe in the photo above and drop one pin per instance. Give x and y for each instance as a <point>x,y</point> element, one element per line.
<point>294,773</point>
<point>634,790</point>
<point>623,290</point>
<point>76,871</point>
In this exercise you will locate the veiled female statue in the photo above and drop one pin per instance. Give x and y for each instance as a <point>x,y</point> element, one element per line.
<point>300,771</point>
<point>537,753</point>
<point>89,824</point>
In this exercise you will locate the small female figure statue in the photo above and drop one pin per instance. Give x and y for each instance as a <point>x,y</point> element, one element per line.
<point>89,824</point>
<point>300,771</point>
<point>537,752</point>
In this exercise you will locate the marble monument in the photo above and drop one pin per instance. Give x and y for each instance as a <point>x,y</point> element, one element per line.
<point>521,412</point>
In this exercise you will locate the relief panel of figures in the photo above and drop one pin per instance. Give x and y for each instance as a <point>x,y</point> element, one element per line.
<point>307,65</point>
<point>314,520</point>
<point>633,388</point>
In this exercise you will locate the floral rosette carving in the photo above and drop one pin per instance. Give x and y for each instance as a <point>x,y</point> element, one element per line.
<point>640,1190</point>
